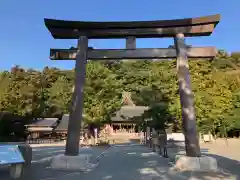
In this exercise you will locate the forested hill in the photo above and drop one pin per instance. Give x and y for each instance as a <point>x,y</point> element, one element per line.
<point>47,93</point>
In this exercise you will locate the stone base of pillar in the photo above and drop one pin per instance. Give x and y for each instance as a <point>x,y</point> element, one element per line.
<point>26,152</point>
<point>79,163</point>
<point>199,164</point>
<point>16,171</point>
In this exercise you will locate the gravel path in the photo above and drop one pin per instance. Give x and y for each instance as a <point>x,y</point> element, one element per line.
<point>136,162</point>
<point>128,162</point>
<point>41,170</point>
<point>229,149</point>
<point>226,153</point>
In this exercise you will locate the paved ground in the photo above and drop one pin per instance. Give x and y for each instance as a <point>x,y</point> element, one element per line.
<point>128,162</point>
<point>41,166</point>
<point>228,149</point>
<point>226,153</point>
<point>43,154</point>
<point>136,162</point>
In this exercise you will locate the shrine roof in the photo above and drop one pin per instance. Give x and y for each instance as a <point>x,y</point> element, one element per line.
<point>128,112</point>
<point>46,122</point>
<point>64,29</point>
<point>63,124</point>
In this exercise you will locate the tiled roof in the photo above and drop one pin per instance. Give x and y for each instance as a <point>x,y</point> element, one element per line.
<point>46,122</point>
<point>127,112</point>
<point>63,124</point>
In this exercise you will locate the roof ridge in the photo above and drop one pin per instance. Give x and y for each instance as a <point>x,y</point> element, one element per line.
<point>127,99</point>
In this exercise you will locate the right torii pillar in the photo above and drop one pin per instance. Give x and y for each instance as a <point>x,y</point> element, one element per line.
<point>186,98</point>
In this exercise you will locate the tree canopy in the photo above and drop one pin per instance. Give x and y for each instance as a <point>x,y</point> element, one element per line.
<point>47,93</point>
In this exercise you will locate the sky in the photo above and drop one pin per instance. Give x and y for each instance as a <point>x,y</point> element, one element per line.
<point>25,41</point>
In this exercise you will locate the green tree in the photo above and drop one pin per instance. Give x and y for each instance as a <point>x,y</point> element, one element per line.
<point>102,93</point>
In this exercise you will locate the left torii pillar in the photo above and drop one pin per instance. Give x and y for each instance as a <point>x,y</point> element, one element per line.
<point>76,111</point>
<point>72,159</point>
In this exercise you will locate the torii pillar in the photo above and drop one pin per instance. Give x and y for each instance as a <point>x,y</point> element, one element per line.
<point>186,98</point>
<point>76,113</point>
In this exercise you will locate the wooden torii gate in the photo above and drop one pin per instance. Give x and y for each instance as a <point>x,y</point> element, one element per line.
<point>177,29</point>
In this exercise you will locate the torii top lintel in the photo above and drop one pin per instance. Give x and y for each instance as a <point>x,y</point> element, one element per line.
<point>201,26</point>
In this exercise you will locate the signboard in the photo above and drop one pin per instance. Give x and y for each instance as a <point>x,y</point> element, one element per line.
<point>10,154</point>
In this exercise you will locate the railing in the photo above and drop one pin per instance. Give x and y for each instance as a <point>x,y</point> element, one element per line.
<point>44,140</point>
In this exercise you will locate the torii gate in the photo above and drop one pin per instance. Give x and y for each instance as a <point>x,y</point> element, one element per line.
<point>177,29</point>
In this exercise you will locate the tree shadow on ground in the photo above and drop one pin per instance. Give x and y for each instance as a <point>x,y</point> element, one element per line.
<point>229,165</point>
<point>132,162</point>
<point>124,161</point>
<point>226,165</point>
<point>41,164</point>
<point>147,165</point>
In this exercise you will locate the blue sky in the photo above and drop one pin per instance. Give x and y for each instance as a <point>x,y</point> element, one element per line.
<point>25,41</point>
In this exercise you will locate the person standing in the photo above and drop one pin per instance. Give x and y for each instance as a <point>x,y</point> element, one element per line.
<point>154,140</point>
<point>162,143</point>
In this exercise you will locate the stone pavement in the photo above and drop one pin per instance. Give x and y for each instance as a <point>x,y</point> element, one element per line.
<point>128,162</point>
<point>41,157</point>
<point>136,162</point>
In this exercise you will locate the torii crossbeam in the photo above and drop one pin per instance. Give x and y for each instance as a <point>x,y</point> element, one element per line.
<point>177,29</point>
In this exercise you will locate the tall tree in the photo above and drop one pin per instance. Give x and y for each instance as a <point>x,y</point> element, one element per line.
<point>102,93</point>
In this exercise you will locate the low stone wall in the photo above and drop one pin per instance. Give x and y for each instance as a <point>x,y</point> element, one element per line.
<point>176,136</point>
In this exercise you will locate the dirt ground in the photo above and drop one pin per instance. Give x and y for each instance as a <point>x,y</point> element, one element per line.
<point>227,153</point>
<point>229,149</point>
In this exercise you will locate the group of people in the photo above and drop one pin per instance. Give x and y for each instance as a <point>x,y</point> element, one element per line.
<point>87,135</point>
